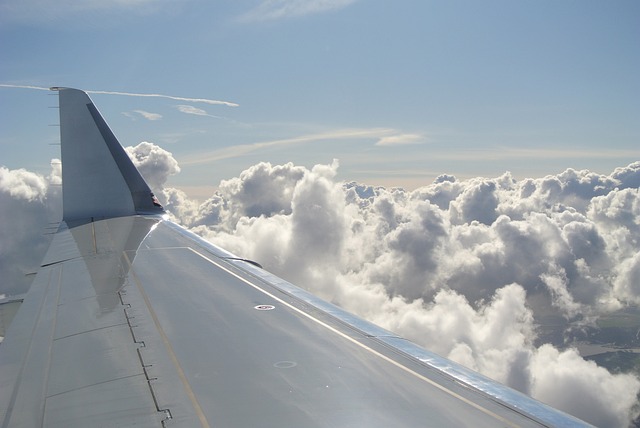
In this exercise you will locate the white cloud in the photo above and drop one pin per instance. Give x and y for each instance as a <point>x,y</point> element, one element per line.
<point>21,184</point>
<point>154,163</point>
<point>581,388</point>
<point>147,115</point>
<point>29,202</point>
<point>465,268</point>
<point>400,139</point>
<point>269,10</point>
<point>194,110</point>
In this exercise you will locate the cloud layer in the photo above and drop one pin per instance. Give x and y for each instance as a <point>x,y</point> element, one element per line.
<point>468,269</point>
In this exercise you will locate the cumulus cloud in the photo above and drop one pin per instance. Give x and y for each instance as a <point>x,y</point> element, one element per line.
<point>556,373</point>
<point>29,206</point>
<point>468,269</point>
<point>154,163</point>
<point>269,10</point>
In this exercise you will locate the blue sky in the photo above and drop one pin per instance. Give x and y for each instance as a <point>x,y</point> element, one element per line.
<point>399,92</point>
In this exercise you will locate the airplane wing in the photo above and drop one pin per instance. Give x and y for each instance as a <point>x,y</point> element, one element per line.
<point>134,321</point>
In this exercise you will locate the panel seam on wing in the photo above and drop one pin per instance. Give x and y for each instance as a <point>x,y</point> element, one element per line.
<point>94,384</point>
<point>88,331</point>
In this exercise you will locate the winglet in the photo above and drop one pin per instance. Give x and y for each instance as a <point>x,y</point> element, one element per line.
<point>98,178</point>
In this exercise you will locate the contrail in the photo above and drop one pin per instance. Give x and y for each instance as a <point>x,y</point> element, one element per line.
<point>171,97</point>
<point>24,87</point>
<point>129,94</point>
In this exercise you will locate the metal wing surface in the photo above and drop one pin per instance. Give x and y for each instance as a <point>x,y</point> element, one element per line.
<point>135,321</point>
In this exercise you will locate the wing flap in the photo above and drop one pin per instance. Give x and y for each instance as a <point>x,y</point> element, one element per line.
<point>71,356</point>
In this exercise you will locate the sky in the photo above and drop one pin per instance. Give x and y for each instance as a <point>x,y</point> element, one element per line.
<point>304,117</point>
<point>399,92</point>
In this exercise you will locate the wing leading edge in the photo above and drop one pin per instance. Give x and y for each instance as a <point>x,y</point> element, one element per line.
<point>135,321</point>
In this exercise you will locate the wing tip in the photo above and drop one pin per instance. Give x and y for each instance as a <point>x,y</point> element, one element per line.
<point>99,180</point>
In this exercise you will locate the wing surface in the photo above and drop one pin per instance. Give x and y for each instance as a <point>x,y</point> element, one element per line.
<point>135,321</point>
